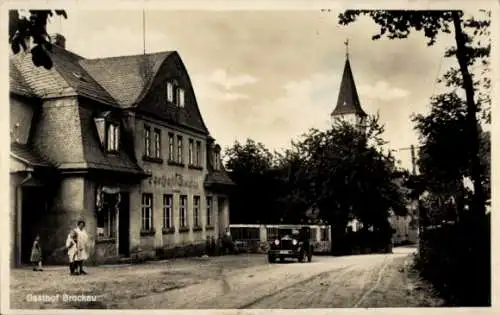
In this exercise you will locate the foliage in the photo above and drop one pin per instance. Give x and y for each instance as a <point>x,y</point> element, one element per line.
<point>23,29</point>
<point>456,259</point>
<point>473,47</point>
<point>349,177</point>
<point>250,166</point>
<point>341,172</point>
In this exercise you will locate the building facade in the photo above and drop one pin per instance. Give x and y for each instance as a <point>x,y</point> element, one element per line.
<point>118,142</point>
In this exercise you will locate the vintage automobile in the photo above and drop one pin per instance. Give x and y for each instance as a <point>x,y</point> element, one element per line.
<point>291,244</point>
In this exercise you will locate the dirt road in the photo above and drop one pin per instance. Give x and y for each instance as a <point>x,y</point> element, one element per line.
<point>352,281</point>
<point>243,281</point>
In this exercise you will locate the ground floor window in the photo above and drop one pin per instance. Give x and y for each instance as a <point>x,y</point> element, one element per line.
<point>183,211</point>
<point>147,212</point>
<point>196,211</point>
<point>167,211</point>
<point>209,211</point>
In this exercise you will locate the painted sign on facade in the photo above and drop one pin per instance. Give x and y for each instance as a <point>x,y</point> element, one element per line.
<point>176,180</point>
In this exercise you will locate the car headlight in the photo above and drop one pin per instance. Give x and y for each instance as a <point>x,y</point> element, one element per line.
<point>276,242</point>
<point>294,242</point>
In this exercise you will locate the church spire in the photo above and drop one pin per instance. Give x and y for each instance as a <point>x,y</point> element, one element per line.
<point>348,99</point>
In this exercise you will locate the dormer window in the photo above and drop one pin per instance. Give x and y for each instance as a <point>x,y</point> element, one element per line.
<point>113,137</point>
<point>180,97</point>
<point>216,161</point>
<point>170,92</point>
<point>108,130</point>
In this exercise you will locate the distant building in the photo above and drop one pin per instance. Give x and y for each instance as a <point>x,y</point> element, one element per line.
<point>348,108</point>
<point>118,142</point>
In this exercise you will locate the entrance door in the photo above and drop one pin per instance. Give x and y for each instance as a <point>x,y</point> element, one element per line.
<point>32,217</point>
<point>124,226</point>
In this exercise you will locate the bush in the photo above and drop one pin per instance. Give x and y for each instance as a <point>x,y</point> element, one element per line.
<point>456,260</point>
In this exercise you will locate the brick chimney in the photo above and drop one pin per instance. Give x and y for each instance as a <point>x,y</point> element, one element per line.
<point>58,39</point>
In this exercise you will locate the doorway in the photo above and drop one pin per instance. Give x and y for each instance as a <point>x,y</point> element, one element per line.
<point>34,208</point>
<point>124,225</point>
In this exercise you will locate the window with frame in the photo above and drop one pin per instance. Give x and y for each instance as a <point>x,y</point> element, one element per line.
<point>216,161</point>
<point>147,212</point>
<point>113,132</point>
<point>183,212</point>
<point>179,149</point>
<point>147,140</point>
<point>198,153</point>
<point>324,234</point>
<point>191,152</point>
<point>171,147</point>
<point>157,146</point>
<point>106,217</point>
<point>180,97</point>
<point>209,211</point>
<point>167,211</point>
<point>170,91</point>
<point>196,211</point>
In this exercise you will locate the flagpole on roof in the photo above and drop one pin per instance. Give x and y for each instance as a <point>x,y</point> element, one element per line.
<point>144,30</point>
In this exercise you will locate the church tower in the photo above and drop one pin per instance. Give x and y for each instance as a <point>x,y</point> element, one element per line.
<point>348,106</point>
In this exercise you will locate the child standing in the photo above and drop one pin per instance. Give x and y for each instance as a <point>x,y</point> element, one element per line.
<point>36,255</point>
<point>71,247</point>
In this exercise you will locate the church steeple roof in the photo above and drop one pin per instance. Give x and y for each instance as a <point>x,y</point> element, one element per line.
<point>348,99</point>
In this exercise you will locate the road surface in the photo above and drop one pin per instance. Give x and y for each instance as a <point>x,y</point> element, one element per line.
<point>376,280</point>
<point>231,282</point>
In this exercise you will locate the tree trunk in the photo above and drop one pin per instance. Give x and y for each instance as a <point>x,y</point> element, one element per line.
<point>475,164</point>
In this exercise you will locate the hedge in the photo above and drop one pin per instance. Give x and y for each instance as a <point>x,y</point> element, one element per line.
<point>455,258</point>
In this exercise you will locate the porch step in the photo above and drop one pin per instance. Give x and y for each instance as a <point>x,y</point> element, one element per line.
<point>125,260</point>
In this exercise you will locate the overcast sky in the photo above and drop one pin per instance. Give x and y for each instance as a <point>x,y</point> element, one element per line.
<point>272,75</point>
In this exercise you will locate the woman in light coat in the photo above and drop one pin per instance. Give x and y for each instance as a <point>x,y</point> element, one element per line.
<point>82,242</point>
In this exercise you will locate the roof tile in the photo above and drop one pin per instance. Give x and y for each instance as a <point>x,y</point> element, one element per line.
<point>124,77</point>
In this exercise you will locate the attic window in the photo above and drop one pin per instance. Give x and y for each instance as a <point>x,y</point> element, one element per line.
<point>170,92</point>
<point>113,136</point>
<point>216,161</point>
<point>180,97</point>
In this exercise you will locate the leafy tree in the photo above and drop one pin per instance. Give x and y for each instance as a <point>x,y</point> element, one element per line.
<point>398,24</point>
<point>250,167</point>
<point>23,29</point>
<point>445,153</point>
<point>348,176</point>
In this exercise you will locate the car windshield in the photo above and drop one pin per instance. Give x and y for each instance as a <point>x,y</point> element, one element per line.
<point>292,233</point>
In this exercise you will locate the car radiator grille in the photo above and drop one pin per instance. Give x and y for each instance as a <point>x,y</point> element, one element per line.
<point>286,244</point>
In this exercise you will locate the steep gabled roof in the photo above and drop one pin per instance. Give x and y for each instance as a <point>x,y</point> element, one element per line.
<point>67,64</point>
<point>125,77</point>
<point>17,84</point>
<point>348,99</point>
<point>117,81</point>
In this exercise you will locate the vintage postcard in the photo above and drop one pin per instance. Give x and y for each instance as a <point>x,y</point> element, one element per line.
<point>238,156</point>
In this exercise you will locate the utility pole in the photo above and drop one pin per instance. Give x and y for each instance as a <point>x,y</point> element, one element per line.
<point>413,158</point>
<point>418,213</point>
